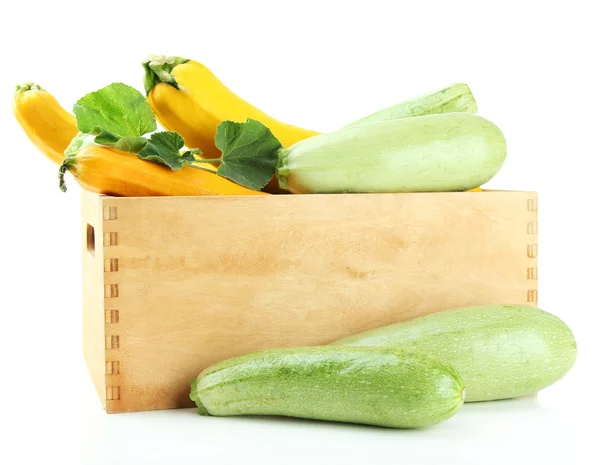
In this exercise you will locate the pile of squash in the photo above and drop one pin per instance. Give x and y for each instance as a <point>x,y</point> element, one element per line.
<point>187,98</point>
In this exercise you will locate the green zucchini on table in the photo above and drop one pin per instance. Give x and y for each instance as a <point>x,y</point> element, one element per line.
<point>451,99</point>
<point>501,351</point>
<point>377,386</point>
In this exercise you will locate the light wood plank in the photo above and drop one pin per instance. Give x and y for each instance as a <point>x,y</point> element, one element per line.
<point>200,279</point>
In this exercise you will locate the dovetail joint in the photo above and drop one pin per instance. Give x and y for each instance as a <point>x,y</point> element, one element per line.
<point>110,213</point>
<point>111,265</point>
<point>532,273</point>
<point>111,316</point>
<point>532,227</point>
<point>111,239</point>
<point>532,250</point>
<point>532,205</point>
<point>113,368</point>
<point>532,295</point>
<point>112,342</point>
<point>113,393</point>
<point>111,291</point>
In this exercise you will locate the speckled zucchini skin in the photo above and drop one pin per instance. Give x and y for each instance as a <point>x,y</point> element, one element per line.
<point>432,153</point>
<point>376,386</point>
<point>452,99</point>
<point>501,351</point>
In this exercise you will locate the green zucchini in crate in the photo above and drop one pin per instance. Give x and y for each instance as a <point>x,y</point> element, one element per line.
<point>376,386</point>
<point>501,351</point>
<point>431,153</point>
<point>451,99</point>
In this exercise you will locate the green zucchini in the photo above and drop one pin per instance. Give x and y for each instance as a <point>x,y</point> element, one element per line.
<point>432,153</point>
<point>501,351</point>
<point>369,385</point>
<point>451,99</point>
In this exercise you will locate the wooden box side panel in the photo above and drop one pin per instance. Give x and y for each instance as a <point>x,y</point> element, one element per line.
<point>197,280</point>
<point>111,309</point>
<point>531,272</point>
<point>93,301</point>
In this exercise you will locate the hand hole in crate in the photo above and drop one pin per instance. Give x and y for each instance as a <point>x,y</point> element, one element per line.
<point>91,239</point>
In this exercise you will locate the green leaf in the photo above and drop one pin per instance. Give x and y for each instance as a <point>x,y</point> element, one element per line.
<point>114,112</point>
<point>164,147</point>
<point>132,144</point>
<point>250,153</point>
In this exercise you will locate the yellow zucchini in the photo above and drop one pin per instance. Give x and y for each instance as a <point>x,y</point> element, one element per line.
<point>188,98</point>
<point>106,170</point>
<point>47,124</point>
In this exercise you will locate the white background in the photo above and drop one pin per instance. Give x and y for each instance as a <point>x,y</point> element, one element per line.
<point>533,69</point>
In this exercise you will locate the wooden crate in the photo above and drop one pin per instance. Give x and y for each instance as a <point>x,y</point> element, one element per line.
<point>174,284</point>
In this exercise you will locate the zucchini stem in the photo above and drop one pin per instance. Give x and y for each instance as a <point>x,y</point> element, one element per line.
<point>210,160</point>
<point>198,167</point>
<point>157,69</point>
<point>64,167</point>
<point>26,86</point>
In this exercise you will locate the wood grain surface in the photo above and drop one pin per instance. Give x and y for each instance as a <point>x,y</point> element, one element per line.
<point>178,283</point>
